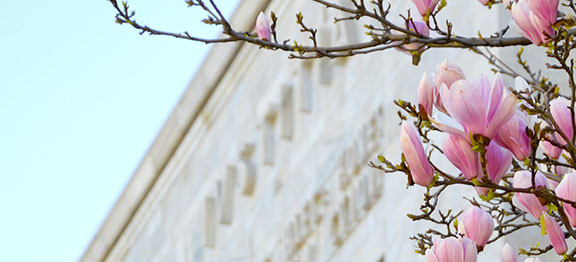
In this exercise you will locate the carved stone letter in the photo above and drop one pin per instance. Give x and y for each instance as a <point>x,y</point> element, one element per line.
<point>287,112</point>
<point>210,222</point>
<point>250,170</point>
<point>269,136</point>
<point>228,196</point>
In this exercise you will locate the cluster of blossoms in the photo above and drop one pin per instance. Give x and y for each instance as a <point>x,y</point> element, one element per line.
<point>460,107</point>
<point>535,18</point>
<point>485,130</point>
<point>486,111</point>
<point>495,141</point>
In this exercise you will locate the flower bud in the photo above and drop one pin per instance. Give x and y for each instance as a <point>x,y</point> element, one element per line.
<point>567,190</point>
<point>426,94</point>
<point>477,225</point>
<point>484,2</point>
<point>263,27</point>
<point>420,168</point>
<point>508,254</point>
<point>555,234</point>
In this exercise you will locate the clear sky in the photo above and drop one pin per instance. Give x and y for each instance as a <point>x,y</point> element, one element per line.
<point>81,99</point>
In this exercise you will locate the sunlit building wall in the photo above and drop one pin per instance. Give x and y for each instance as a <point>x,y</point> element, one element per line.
<point>265,157</point>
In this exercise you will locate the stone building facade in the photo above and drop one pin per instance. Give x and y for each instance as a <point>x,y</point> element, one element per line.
<point>265,158</point>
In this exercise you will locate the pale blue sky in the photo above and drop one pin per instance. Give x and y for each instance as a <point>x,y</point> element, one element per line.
<point>81,99</point>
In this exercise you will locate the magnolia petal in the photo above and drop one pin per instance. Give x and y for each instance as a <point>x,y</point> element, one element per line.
<point>420,168</point>
<point>467,107</point>
<point>555,234</point>
<point>503,113</point>
<point>566,189</point>
<point>508,254</point>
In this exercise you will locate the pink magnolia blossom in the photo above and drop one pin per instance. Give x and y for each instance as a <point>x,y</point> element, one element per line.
<point>528,202</point>
<point>447,73</point>
<point>459,152</point>
<point>555,234</point>
<point>512,136</point>
<point>484,2</point>
<point>498,161</point>
<point>559,108</point>
<point>263,27</point>
<point>480,107</point>
<point>477,225</point>
<point>508,254</point>
<point>420,168</point>
<point>452,250</point>
<point>534,28</point>
<point>567,190</point>
<point>546,10</point>
<point>426,94</point>
<point>424,6</point>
